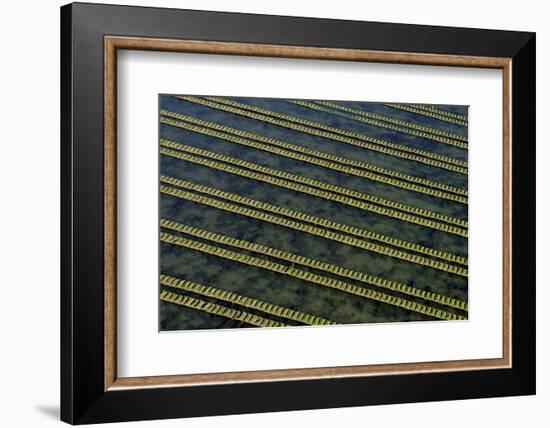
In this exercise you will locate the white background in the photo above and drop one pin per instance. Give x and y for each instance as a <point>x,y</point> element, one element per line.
<point>142,351</point>
<point>29,230</point>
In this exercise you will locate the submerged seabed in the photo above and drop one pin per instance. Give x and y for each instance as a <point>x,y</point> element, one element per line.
<point>209,309</point>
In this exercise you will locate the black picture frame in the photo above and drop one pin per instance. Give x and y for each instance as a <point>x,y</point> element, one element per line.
<point>83,396</point>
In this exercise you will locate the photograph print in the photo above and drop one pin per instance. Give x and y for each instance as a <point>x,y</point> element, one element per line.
<point>293,212</point>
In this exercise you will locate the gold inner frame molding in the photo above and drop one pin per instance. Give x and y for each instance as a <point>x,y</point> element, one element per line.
<point>114,43</point>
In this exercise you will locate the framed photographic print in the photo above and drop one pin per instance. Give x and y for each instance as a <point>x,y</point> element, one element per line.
<point>264,213</point>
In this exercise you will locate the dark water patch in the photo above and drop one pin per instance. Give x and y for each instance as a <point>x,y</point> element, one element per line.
<point>416,118</point>
<point>175,208</point>
<point>317,143</point>
<point>175,317</point>
<point>322,174</point>
<point>284,291</point>
<point>349,124</point>
<point>310,246</point>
